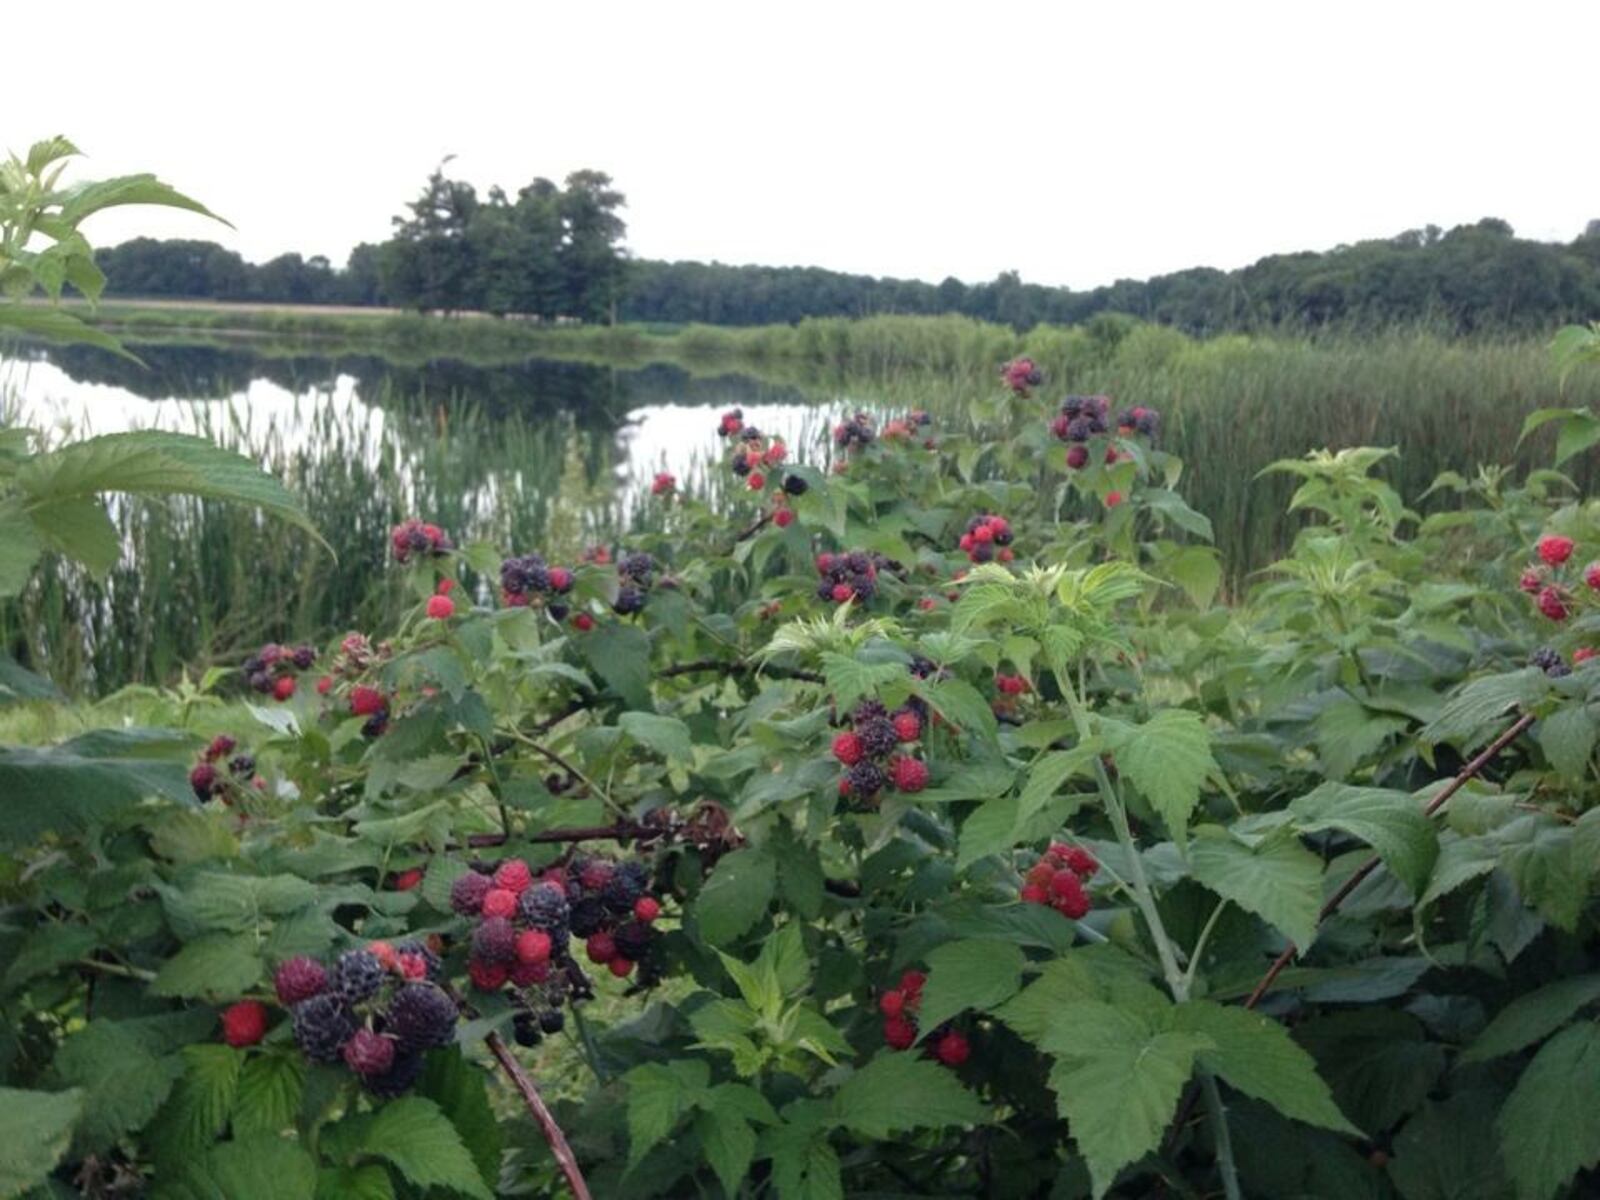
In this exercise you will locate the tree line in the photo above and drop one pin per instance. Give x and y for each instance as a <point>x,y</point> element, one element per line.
<point>555,252</point>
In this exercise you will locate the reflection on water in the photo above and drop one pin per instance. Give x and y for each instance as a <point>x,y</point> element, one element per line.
<point>536,455</point>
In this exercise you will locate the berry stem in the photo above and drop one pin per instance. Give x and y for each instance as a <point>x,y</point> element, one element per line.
<point>111,968</point>
<point>525,1086</point>
<point>1218,1116</point>
<point>604,796</point>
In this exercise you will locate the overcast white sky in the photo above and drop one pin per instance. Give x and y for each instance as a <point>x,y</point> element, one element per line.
<point>1075,142</point>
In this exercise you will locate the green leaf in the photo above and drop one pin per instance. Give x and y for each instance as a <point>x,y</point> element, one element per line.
<point>16,681</point>
<point>154,463</point>
<point>57,325</point>
<point>958,702</point>
<point>218,965</point>
<point>804,1165</point>
<point>896,1093</point>
<point>1167,759</point>
<point>659,1096</point>
<point>68,788</point>
<point>1567,738</point>
<point>79,528</point>
<point>1256,1056</point>
<point>269,1094</point>
<point>124,1083</point>
<point>1548,1131</point>
<point>415,1136</point>
<point>1391,822</point>
<point>667,736</point>
<point>1046,776</point>
<point>1467,717</point>
<point>264,1168</point>
<point>1533,1017</point>
<point>726,1137</point>
<point>1117,1082</point>
<point>850,678</point>
<point>991,828</point>
<point>1279,880</point>
<point>735,895</point>
<point>199,1105</point>
<point>1348,732</point>
<point>622,659</point>
<point>84,199</point>
<point>460,1089</point>
<point>1449,1151</point>
<point>369,1182</point>
<point>975,973</point>
<point>35,1130</point>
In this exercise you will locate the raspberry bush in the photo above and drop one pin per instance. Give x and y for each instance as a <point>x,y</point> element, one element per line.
<point>945,837</point>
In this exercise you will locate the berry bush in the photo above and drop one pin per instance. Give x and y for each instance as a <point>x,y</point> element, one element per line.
<point>882,846</point>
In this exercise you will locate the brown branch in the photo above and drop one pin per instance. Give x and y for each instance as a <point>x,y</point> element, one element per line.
<point>751,531</point>
<point>524,1084</point>
<point>1512,732</point>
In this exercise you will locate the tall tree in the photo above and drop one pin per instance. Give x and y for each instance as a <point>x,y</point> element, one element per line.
<point>592,262</point>
<point>429,264</point>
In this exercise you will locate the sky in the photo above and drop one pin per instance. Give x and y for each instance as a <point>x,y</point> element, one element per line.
<point>1077,143</point>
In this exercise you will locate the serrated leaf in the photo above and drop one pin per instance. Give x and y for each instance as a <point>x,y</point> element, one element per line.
<point>975,973</point>
<point>1197,571</point>
<point>1467,717</point>
<point>1449,1151</point>
<point>1547,1132</point>
<point>735,896</point>
<point>1045,777</point>
<point>1348,733</point>
<point>1279,880</point>
<point>269,1093</point>
<point>667,736</point>
<point>728,1141</point>
<point>460,1090</point>
<point>419,1140</point>
<point>124,1083</point>
<point>897,1093</point>
<point>368,1182</point>
<point>218,965</point>
<point>199,1105</point>
<point>1167,758</point>
<point>804,1165</point>
<point>263,1168</point>
<point>1390,822</point>
<point>35,1131</point>
<point>1533,1017</point>
<point>622,659</point>
<point>991,828</point>
<point>959,703</point>
<point>1256,1056</point>
<point>659,1096</point>
<point>1567,738</point>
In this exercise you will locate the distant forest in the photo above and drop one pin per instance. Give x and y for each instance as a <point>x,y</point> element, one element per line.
<point>556,252</point>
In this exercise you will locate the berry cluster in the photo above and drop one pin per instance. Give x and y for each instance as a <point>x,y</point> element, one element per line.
<point>853,431</point>
<point>906,427</point>
<point>378,1010</point>
<point>899,1008</point>
<point>1057,880</point>
<point>987,538</point>
<point>636,575</point>
<point>440,606</point>
<point>411,536</point>
<point>870,751</point>
<point>753,455</point>
<point>373,704</point>
<point>850,576</point>
<point>1140,420</point>
<point>664,484</point>
<point>1020,375</point>
<point>731,423</point>
<point>207,779</point>
<point>523,579</point>
<point>1552,594</point>
<point>272,670</point>
<point>525,925</point>
<point>1550,662</point>
<point>1011,685</point>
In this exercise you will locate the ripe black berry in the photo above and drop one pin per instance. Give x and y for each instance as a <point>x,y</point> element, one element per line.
<point>322,1025</point>
<point>868,710</point>
<point>495,941</point>
<point>627,883</point>
<point>468,891</point>
<point>400,1077</point>
<point>356,976</point>
<point>544,906</point>
<point>304,656</point>
<point>877,735</point>
<point>866,779</point>
<point>242,765</point>
<point>795,485</point>
<point>588,916</point>
<point>633,940</point>
<point>629,601</point>
<point>421,1016</point>
<point>638,566</point>
<point>551,1020</point>
<point>525,1029</point>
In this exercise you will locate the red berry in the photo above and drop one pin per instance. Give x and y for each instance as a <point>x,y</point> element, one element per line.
<point>1080,862</point>
<point>907,726</point>
<point>487,976</point>
<point>900,1033</point>
<point>1111,451</point>
<point>663,484</point>
<point>952,1049</point>
<point>299,979</point>
<point>407,880</point>
<point>1077,456</point>
<point>1555,549</point>
<point>1584,654</point>
<point>596,873</point>
<point>526,974</point>
<point>1069,898</point>
<point>446,586</point>
<point>1552,605</point>
<point>892,1003</point>
<point>368,1053</point>
<point>284,687</point>
<point>441,608</point>
<point>910,774</point>
<point>824,563</point>
<point>1113,499</point>
<point>413,966</point>
<point>775,453</point>
<point>560,579</point>
<point>983,533</point>
<point>601,948</point>
<point>221,746</point>
<point>756,481</point>
<point>366,701</point>
<point>244,1023</point>
<point>500,902</point>
<point>847,748</point>
<point>533,946</point>
<point>620,967</point>
<point>911,984</point>
<point>927,603</point>
<point>783,518</point>
<point>583,622</point>
<point>999,525</point>
<point>646,909</point>
<point>966,543</point>
<point>324,685</point>
<point>842,592</point>
<point>513,875</point>
<point>1036,893</point>
<point>1591,575</point>
<point>1040,873</point>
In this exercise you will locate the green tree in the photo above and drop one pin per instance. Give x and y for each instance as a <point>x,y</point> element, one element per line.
<point>428,265</point>
<point>591,258</point>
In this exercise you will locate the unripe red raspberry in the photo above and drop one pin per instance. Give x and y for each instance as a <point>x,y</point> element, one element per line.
<point>533,946</point>
<point>1591,575</point>
<point>384,953</point>
<point>892,1003</point>
<point>647,909</point>
<point>907,725</point>
<point>952,1049</point>
<point>966,543</point>
<point>1077,456</point>
<point>775,454</point>
<point>1583,654</point>
<point>244,1023</point>
<point>601,948</point>
<point>1007,554</point>
<point>221,746</point>
<point>1040,873</point>
<point>412,966</point>
<point>1555,549</point>
<point>664,483</point>
<point>583,622</point>
<point>824,563</point>
<point>1113,499</point>
<point>299,979</point>
<point>596,873</point>
<point>1553,605</point>
<point>441,608</point>
<point>1035,893</point>
<point>500,902</point>
<point>324,685</point>
<point>368,1053</point>
<point>1068,896</point>
<point>203,779</point>
<point>526,974</point>
<point>620,967</point>
<point>487,976</point>
<point>983,533</point>
<point>514,876</point>
<point>756,481</point>
<point>910,774</point>
<point>1111,454</point>
<point>560,579</point>
<point>911,984</point>
<point>927,604</point>
<point>366,701</point>
<point>283,687</point>
<point>783,518</point>
<point>847,748</point>
<point>900,1033</point>
<point>1080,862</point>
<point>406,880</point>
